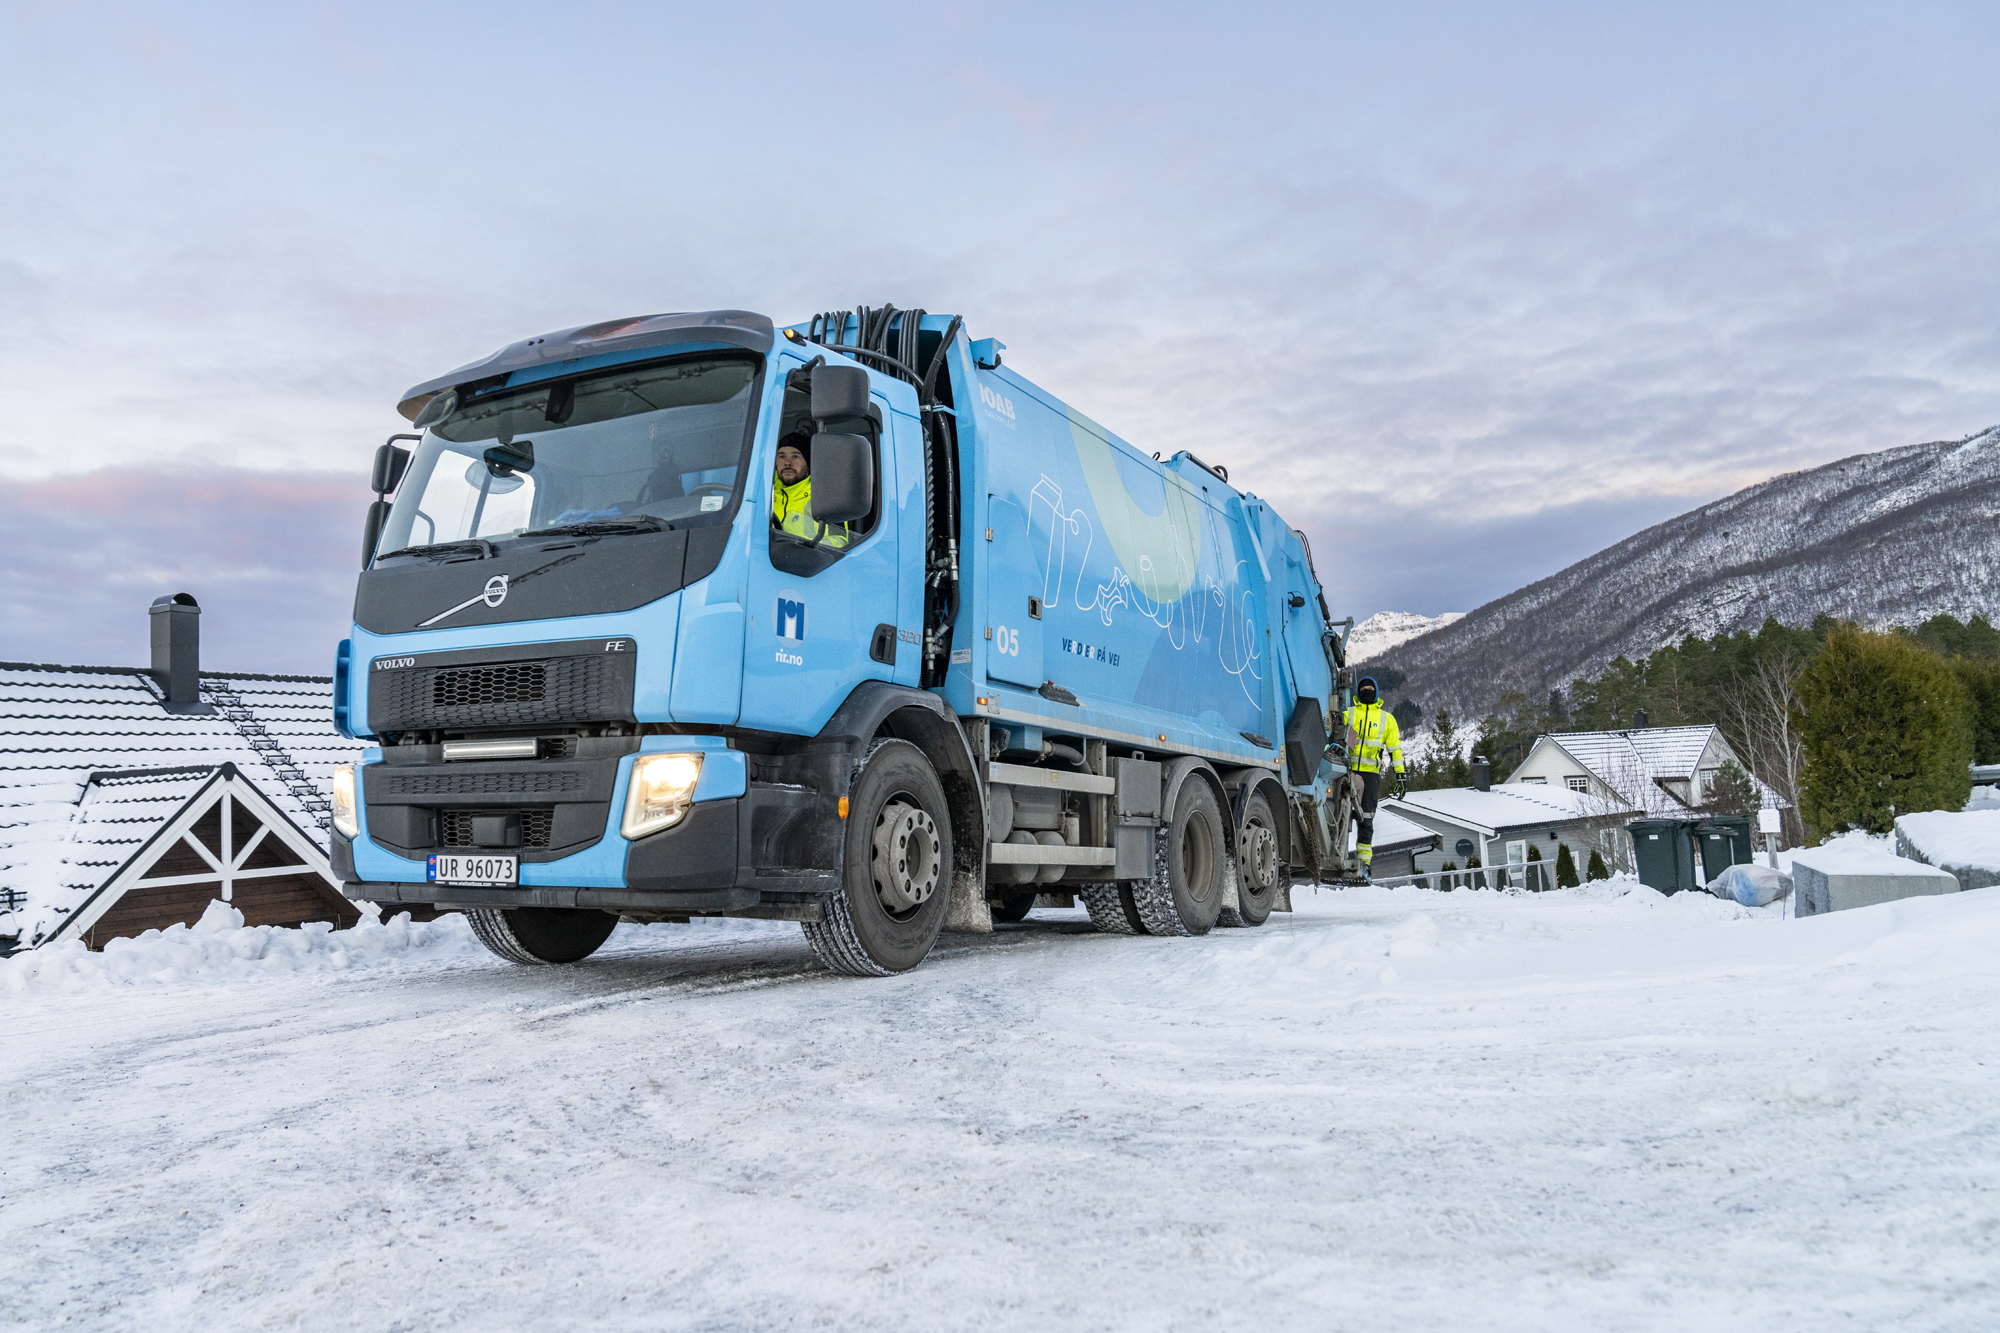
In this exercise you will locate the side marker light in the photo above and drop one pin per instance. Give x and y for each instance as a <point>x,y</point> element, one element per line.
<point>843,807</point>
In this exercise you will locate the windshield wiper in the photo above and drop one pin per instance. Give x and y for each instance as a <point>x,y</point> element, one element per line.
<point>603,527</point>
<point>477,545</point>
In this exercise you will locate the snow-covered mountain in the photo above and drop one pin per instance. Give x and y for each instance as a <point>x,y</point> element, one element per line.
<point>1385,629</point>
<point>1886,538</point>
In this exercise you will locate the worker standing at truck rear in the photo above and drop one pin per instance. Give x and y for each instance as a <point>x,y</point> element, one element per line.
<point>791,495</point>
<point>1372,732</point>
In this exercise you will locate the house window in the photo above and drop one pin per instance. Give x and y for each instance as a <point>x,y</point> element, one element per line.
<point>1534,782</point>
<point>1577,784</point>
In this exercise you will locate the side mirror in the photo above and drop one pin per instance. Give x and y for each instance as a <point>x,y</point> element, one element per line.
<point>390,465</point>
<point>838,393</point>
<point>371,531</point>
<point>843,473</point>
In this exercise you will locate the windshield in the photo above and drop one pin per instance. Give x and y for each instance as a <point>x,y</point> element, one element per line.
<point>664,445</point>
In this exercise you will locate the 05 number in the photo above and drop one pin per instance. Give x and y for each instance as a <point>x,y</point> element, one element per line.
<point>1007,641</point>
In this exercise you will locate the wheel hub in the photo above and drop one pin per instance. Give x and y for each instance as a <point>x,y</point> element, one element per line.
<point>907,856</point>
<point>1260,857</point>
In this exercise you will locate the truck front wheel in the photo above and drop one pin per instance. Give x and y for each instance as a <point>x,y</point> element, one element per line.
<point>541,934</point>
<point>896,872</point>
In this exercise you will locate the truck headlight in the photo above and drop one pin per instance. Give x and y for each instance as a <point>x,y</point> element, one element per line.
<point>661,791</point>
<point>343,801</point>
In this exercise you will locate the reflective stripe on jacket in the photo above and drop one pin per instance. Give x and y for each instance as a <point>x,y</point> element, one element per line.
<point>791,511</point>
<point>1371,729</point>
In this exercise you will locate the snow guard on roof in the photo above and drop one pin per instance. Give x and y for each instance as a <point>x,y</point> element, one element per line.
<point>744,328</point>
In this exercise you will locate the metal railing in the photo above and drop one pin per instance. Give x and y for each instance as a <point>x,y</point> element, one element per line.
<point>1530,876</point>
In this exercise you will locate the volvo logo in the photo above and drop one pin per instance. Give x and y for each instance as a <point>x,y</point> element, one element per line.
<point>494,593</point>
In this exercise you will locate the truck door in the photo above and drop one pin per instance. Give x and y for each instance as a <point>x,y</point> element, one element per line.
<point>1014,590</point>
<point>823,620</point>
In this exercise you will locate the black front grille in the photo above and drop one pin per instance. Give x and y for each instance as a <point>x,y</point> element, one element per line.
<point>455,826</point>
<point>522,683</point>
<point>519,782</point>
<point>567,686</point>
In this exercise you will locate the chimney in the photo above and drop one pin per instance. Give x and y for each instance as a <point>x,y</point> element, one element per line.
<point>1639,719</point>
<point>177,652</point>
<point>1482,773</point>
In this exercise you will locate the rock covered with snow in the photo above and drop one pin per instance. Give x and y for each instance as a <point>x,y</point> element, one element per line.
<point>1967,843</point>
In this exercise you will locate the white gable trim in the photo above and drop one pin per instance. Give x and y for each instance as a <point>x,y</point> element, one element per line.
<point>226,788</point>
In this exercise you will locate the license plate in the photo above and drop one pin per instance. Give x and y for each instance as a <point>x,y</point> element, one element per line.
<point>455,869</point>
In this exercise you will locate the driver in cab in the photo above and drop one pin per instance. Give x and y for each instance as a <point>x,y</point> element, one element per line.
<point>791,495</point>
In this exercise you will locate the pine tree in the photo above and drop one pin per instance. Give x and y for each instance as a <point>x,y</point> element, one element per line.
<point>1565,867</point>
<point>1980,679</point>
<point>1732,792</point>
<point>1887,730</point>
<point>1532,881</point>
<point>1596,868</point>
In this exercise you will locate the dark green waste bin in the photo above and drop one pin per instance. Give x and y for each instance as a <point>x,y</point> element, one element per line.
<point>1724,841</point>
<point>1664,852</point>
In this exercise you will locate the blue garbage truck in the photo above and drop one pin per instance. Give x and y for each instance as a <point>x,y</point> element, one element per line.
<point>843,623</point>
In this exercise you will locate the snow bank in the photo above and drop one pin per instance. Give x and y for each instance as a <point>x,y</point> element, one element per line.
<point>220,947</point>
<point>1966,844</point>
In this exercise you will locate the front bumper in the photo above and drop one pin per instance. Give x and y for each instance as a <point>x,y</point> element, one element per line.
<point>767,845</point>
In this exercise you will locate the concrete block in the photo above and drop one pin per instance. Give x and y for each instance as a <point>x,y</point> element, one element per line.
<point>1965,844</point>
<point>1833,879</point>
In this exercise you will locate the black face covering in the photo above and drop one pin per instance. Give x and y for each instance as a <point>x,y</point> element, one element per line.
<point>1366,694</point>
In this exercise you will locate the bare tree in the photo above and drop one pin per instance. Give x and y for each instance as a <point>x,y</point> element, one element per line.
<point>1759,707</point>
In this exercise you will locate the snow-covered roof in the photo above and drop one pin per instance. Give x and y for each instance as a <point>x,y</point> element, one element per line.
<point>59,725</point>
<point>1660,752</point>
<point>1393,832</point>
<point>1635,763</point>
<point>1514,805</point>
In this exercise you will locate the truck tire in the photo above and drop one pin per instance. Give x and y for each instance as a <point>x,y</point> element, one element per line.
<point>1012,906</point>
<point>1184,896</point>
<point>539,935</point>
<point>1257,865</point>
<point>1110,909</point>
<point>896,877</point>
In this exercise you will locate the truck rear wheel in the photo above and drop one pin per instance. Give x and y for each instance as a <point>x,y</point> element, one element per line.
<point>1184,896</point>
<point>1110,908</point>
<point>1012,906</point>
<point>896,875</point>
<point>1257,867</point>
<point>539,935</point>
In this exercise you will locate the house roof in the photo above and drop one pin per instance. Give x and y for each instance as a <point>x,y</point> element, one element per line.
<point>61,724</point>
<point>1393,832</point>
<point>1513,805</point>
<point>1634,763</point>
<point>1661,752</point>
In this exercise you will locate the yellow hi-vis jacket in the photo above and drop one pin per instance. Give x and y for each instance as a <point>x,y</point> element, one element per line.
<point>1371,729</point>
<point>791,511</point>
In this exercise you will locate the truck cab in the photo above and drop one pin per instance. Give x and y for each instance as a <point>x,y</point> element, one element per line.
<point>838,623</point>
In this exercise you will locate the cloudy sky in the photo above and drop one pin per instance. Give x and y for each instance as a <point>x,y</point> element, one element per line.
<point>1471,291</point>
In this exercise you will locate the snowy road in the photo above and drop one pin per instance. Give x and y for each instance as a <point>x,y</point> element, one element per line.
<point>1393,1109</point>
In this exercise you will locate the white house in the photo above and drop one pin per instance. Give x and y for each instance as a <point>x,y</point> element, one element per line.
<point>1501,824</point>
<point>1662,770</point>
<point>130,798</point>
